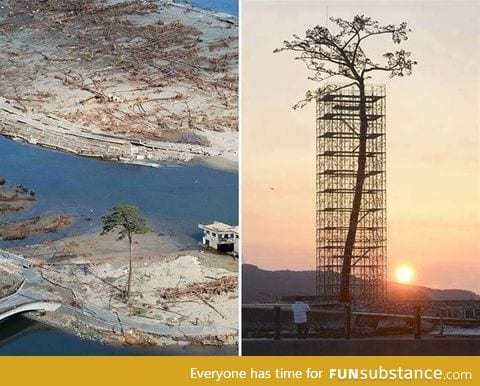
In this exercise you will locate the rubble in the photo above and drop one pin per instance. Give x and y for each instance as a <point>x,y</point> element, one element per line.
<point>136,337</point>
<point>148,72</point>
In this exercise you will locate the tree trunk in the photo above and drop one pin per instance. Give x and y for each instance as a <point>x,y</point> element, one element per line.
<point>129,283</point>
<point>357,199</point>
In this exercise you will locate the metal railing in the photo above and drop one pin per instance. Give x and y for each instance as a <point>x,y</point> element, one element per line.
<point>415,318</point>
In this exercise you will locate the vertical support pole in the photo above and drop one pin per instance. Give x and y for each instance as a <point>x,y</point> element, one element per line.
<point>276,311</point>
<point>442,332</point>
<point>348,321</point>
<point>418,323</point>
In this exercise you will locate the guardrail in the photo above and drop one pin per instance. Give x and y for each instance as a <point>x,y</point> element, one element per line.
<point>348,316</point>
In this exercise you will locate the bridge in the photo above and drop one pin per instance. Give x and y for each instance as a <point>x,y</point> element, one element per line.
<point>34,293</point>
<point>22,306</point>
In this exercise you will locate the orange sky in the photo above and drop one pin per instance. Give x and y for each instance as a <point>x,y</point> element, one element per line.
<point>433,183</point>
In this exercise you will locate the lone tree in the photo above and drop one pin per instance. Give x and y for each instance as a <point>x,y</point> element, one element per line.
<point>128,221</point>
<point>342,54</point>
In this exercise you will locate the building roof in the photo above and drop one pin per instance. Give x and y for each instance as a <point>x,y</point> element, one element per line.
<point>219,227</point>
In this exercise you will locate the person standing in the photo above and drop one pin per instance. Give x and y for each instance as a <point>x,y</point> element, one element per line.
<point>300,310</point>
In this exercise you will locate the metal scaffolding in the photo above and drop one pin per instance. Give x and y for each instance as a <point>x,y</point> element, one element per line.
<point>338,136</point>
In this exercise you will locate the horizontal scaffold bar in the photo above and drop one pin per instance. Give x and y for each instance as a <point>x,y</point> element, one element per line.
<point>351,191</point>
<point>349,98</point>
<point>340,153</point>
<point>347,135</point>
<point>348,173</point>
<point>330,209</point>
<point>341,116</point>
<point>340,228</point>
<point>361,247</point>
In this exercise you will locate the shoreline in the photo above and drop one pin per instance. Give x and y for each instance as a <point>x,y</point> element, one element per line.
<point>30,324</point>
<point>80,141</point>
<point>138,103</point>
<point>143,320</point>
<point>122,338</point>
<point>91,322</point>
<point>106,338</point>
<point>222,16</point>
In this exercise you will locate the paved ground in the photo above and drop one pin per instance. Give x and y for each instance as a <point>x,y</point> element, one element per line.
<point>385,346</point>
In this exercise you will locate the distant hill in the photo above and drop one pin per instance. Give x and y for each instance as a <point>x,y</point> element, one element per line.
<point>263,286</point>
<point>259,285</point>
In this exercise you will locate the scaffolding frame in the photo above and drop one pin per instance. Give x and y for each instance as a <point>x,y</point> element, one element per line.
<point>338,128</point>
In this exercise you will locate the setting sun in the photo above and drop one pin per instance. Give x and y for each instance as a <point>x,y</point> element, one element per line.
<point>405,274</point>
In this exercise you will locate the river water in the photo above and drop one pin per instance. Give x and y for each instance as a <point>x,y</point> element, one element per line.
<point>174,199</point>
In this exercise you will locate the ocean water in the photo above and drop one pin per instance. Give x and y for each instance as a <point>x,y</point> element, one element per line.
<point>224,6</point>
<point>174,199</point>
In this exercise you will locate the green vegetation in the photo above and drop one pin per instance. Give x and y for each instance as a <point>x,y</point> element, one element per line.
<point>127,220</point>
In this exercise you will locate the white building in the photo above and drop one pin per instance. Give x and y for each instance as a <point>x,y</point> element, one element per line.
<point>220,236</point>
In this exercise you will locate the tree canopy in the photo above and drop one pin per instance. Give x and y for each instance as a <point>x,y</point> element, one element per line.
<point>129,222</point>
<point>343,53</point>
<point>127,219</point>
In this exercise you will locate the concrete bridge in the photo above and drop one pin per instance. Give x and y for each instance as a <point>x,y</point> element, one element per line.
<point>34,294</point>
<point>6,312</point>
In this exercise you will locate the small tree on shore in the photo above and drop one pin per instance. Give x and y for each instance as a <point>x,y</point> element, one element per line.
<point>128,221</point>
<point>341,55</point>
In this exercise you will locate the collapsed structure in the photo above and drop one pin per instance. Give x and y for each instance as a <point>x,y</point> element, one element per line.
<point>338,137</point>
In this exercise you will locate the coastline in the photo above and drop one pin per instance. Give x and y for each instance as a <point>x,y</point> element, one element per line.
<point>28,328</point>
<point>139,102</point>
<point>133,336</point>
<point>91,322</point>
<point>148,317</point>
<point>151,85</point>
<point>55,133</point>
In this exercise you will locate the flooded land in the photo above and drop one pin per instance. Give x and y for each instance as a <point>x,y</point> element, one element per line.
<point>132,81</point>
<point>97,90</point>
<point>175,284</point>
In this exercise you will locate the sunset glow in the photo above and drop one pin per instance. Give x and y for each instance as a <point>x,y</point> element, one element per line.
<point>432,140</point>
<point>405,274</point>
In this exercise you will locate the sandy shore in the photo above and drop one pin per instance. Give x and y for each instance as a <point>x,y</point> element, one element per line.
<point>180,294</point>
<point>178,289</point>
<point>129,81</point>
